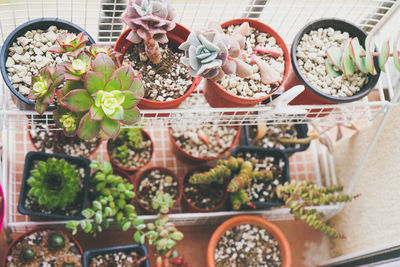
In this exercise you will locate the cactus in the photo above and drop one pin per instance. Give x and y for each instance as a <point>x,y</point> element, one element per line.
<point>352,57</point>
<point>149,21</point>
<point>212,54</point>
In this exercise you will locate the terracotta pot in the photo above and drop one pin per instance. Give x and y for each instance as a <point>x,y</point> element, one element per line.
<point>175,37</point>
<point>313,96</point>
<point>146,136</point>
<point>284,246</point>
<point>140,176</point>
<point>218,97</point>
<point>36,229</point>
<point>185,156</point>
<point>33,144</point>
<point>191,207</point>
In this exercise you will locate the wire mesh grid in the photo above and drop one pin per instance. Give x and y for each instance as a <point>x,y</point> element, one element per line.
<point>303,166</point>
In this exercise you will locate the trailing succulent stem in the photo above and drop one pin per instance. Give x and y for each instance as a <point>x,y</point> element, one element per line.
<point>111,197</point>
<point>352,57</point>
<point>55,183</point>
<point>238,173</point>
<point>149,21</point>
<point>299,195</point>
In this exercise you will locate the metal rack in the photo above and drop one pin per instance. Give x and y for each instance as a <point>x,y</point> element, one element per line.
<point>287,17</point>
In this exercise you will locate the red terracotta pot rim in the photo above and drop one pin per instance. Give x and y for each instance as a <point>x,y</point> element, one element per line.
<point>164,170</point>
<point>119,166</point>
<point>284,246</point>
<point>281,44</point>
<point>190,156</point>
<point>37,229</point>
<point>192,206</point>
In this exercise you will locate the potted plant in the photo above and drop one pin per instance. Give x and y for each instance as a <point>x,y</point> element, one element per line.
<point>27,49</point>
<point>203,197</point>
<point>54,186</point>
<point>45,137</point>
<point>152,180</point>
<point>130,255</point>
<point>262,244</point>
<point>279,136</point>
<point>223,56</point>
<point>43,247</point>
<point>150,44</point>
<point>308,56</point>
<point>131,149</point>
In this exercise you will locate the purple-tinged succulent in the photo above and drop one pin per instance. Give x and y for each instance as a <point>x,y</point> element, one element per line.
<point>44,87</point>
<point>70,42</point>
<point>352,56</point>
<point>107,97</point>
<point>212,54</point>
<point>96,49</point>
<point>149,21</point>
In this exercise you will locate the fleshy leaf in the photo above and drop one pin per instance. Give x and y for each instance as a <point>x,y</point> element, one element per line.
<point>357,50</point>
<point>396,52</point>
<point>126,76</point>
<point>113,84</point>
<point>330,69</point>
<point>104,65</point>
<point>118,115</point>
<point>94,82</point>
<point>110,127</point>
<point>347,62</point>
<point>131,116</point>
<point>88,129</point>
<point>96,113</point>
<point>130,100</point>
<point>334,55</point>
<point>369,58</point>
<point>78,100</point>
<point>137,87</point>
<point>384,54</point>
<point>40,107</point>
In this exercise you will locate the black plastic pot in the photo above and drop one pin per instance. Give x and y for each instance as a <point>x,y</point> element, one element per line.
<point>312,95</point>
<point>266,152</point>
<point>139,249</point>
<point>43,23</point>
<point>301,129</point>
<point>82,196</point>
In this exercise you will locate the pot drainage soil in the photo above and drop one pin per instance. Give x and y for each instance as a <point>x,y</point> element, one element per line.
<point>115,259</point>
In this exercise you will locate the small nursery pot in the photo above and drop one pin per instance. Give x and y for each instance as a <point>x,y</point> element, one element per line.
<point>301,129</point>
<point>284,246</point>
<point>139,249</point>
<point>146,136</point>
<point>175,37</point>
<point>190,207</point>
<point>141,175</point>
<point>37,229</point>
<point>19,100</point>
<point>82,196</point>
<point>218,97</point>
<point>266,152</point>
<point>313,96</point>
<point>185,156</point>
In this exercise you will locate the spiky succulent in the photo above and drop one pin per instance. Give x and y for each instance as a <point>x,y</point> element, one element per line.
<point>70,42</point>
<point>44,87</point>
<point>212,53</point>
<point>107,97</point>
<point>352,57</point>
<point>149,21</point>
<point>54,183</point>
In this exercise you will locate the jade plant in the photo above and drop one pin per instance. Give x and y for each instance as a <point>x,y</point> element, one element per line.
<point>96,92</point>
<point>55,183</point>
<point>149,21</point>
<point>352,56</point>
<point>111,197</point>
<point>212,54</point>
<point>296,195</point>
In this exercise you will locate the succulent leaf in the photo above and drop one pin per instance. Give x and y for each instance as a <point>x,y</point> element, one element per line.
<point>347,62</point>
<point>131,116</point>
<point>88,129</point>
<point>94,82</point>
<point>96,113</point>
<point>357,50</point>
<point>268,74</point>
<point>78,100</point>
<point>110,127</point>
<point>126,75</point>
<point>330,68</point>
<point>384,54</point>
<point>114,83</point>
<point>335,56</point>
<point>396,52</point>
<point>104,65</point>
<point>369,58</point>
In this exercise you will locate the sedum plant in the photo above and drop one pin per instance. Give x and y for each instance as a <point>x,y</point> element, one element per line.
<point>55,183</point>
<point>149,21</point>
<point>352,57</point>
<point>96,92</point>
<point>111,200</point>
<point>212,54</point>
<point>296,195</point>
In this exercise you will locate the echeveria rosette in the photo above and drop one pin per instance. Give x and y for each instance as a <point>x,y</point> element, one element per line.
<point>70,42</point>
<point>67,120</point>
<point>96,49</point>
<point>78,67</point>
<point>44,86</point>
<point>107,99</point>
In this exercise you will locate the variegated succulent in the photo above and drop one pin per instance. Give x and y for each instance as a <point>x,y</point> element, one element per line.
<point>70,42</point>
<point>352,57</point>
<point>212,53</point>
<point>149,21</point>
